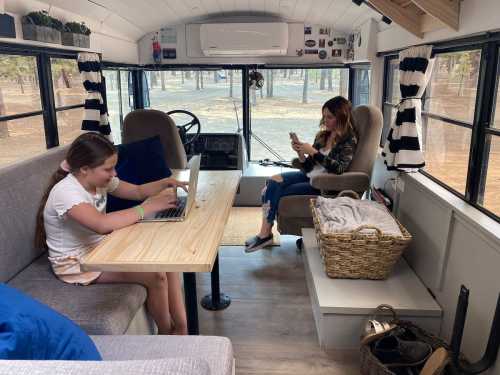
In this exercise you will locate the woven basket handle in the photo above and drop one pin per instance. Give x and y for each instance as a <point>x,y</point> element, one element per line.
<point>348,193</point>
<point>384,308</point>
<point>361,227</point>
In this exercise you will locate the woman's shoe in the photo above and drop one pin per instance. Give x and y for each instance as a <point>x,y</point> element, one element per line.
<point>436,362</point>
<point>256,243</point>
<point>394,352</point>
<point>375,330</point>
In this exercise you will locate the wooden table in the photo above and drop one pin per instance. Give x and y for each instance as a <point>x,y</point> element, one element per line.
<point>188,246</point>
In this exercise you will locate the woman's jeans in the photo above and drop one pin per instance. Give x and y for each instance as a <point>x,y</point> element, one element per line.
<point>294,183</point>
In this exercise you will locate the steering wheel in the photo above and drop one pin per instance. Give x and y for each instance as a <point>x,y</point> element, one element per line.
<point>184,129</point>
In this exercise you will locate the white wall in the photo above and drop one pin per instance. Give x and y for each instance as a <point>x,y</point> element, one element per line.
<point>475,16</point>
<point>113,46</point>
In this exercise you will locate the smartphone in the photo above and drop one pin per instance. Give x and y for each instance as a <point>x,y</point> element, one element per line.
<point>294,137</point>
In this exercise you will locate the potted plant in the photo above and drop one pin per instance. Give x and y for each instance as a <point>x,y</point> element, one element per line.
<point>41,27</point>
<point>76,34</point>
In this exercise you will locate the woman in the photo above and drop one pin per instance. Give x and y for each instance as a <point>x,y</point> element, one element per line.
<point>332,152</point>
<point>72,220</point>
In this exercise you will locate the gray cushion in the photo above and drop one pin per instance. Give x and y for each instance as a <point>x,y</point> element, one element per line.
<point>177,366</point>
<point>103,309</point>
<point>217,351</point>
<point>21,188</point>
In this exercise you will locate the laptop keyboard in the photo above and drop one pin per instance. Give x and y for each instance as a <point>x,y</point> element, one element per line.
<point>175,211</point>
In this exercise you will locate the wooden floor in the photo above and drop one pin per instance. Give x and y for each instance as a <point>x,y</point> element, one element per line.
<point>269,321</point>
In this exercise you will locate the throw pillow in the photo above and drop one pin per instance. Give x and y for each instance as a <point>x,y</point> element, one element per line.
<point>32,330</point>
<point>138,163</point>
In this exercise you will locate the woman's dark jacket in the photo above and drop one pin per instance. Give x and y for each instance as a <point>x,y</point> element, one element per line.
<point>338,159</point>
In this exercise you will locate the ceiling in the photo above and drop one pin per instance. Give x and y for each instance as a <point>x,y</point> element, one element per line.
<point>134,18</point>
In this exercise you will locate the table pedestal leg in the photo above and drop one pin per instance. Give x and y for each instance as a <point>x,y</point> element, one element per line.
<point>216,300</point>
<point>191,302</point>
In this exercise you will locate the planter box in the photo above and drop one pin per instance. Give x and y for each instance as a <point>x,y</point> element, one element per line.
<point>77,40</point>
<point>41,33</point>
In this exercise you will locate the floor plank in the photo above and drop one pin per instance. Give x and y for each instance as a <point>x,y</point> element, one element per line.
<point>269,321</point>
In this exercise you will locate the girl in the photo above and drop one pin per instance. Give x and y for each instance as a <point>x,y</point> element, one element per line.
<point>72,220</point>
<point>332,152</point>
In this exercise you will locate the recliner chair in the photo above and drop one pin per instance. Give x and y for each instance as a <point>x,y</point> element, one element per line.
<point>145,123</point>
<point>294,212</point>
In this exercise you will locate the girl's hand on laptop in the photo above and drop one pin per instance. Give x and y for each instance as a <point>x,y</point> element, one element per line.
<point>167,198</point>
<point>172,182</point>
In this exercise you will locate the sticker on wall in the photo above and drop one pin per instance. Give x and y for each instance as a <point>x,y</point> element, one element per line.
<point>324,31</point>
<point>321,43</point>
<point>322,54</point>
<point>310,43</point>
<point>168,35</point>
<point>330,43</point>
<point>307,30</point>
<point>340,40</point>
<point>169,53</point>
<point>336,52</point>
<point>311,51</point>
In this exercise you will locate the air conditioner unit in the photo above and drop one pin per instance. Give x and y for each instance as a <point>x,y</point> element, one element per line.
<point>244,39</point>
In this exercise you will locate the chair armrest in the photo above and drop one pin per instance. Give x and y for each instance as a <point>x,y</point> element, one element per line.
<point>357,181</point>
<point>177,366</point>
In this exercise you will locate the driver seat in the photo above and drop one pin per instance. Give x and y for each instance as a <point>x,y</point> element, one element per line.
<point>146,123</point>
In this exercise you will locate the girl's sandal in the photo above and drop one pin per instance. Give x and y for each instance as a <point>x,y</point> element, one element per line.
<point>436,362</point>
<point>375,329</point>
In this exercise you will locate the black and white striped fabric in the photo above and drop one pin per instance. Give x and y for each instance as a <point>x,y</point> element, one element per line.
<point>402,149</point>
<point>96,113</point>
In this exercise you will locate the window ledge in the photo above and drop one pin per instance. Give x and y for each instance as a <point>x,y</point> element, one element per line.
<point>463,211</point>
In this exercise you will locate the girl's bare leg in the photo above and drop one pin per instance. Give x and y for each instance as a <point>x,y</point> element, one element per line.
<point>176,304</point>
<point>157,300</point>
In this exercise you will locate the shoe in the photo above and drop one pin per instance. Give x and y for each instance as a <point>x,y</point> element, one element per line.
<point>436,362</point>
<point>256,243</point>
<point>394,352</point>
<point>375,330</point>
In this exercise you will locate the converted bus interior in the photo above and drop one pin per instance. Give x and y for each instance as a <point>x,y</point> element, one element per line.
<point>236,77</point>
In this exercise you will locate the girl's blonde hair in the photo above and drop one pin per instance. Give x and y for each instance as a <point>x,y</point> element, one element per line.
<point>87,150</point>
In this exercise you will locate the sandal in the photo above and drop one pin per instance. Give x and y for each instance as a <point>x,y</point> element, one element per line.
<point>375,329</point>
<point>436,362</point>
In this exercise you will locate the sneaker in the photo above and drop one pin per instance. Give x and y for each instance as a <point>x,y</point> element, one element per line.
<point>394,352</point>
<point>256,243</point>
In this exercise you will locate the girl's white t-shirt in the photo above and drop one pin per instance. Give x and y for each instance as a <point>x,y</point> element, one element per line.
<point>67,240</point>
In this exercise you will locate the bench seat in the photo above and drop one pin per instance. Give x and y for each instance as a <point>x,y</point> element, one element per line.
<point>104,309</point>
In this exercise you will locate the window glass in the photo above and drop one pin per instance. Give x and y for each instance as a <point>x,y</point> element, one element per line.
<point>393,92</point>
<point>69,124</point>
<point>19,90</point>
<point>212,96</point>
<point>389,116</point>
<point>68,86</point>
<point>496,117</point>
<point>127,95</point>
<point>113,102</point>
<point>453,86</point>
<point>21,139</point>
<point>291,101</point>
<point>446,150</point>
<point>361,94</point>
<point>492,190</point>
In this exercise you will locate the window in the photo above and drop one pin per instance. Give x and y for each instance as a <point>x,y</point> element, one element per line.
<point>21,139</point>
<point>112,78</point>
<point>489,191</point>
<point>19,90</point>
<point>448,113</point>
<point>21,136</point>
<point>67,83</point>
<point>290,101</point>
<point>215,97</point>
<point>127,95</point>
<point>361,86</point>
<point>392,96</point>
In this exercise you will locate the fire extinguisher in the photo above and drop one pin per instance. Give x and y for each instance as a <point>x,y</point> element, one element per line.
<point>156,50</point>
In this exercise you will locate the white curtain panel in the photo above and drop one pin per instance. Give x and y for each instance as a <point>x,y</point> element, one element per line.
<point>402,149</point>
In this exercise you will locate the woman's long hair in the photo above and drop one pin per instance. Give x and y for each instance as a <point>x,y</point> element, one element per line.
<point>341,108</point>
<point>87,150</point>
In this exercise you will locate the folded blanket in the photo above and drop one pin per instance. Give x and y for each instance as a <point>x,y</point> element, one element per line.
<point>343,215</point>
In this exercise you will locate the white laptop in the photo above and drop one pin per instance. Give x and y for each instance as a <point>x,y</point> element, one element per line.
<point>184,201</point>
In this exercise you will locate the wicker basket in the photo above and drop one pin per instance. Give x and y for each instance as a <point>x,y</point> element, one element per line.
<point>358,255</point>
<point>370,365</point>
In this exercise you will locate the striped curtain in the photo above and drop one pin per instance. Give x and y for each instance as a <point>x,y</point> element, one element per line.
<point>96,113</point>
<point>402,149</point>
